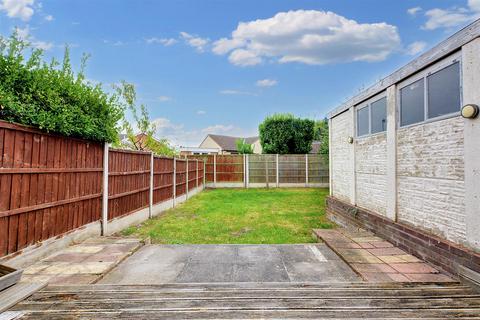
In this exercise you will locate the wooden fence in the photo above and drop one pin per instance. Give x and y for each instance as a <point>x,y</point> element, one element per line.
<point>51,185</point>
<point>265,170</point>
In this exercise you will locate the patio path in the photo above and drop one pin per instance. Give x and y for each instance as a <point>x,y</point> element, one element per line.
<point>82,263</point>
<point>159,264</point>
<point>377,260</point>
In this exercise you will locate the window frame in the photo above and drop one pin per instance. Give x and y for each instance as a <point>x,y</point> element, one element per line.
<point>367,104</point>
<point>440,65</point>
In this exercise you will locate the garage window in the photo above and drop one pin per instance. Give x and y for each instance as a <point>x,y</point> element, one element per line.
<point>372,118</point>
<point>435,95</point>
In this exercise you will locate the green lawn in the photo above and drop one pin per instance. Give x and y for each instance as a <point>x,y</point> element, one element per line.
<point>240,216</point>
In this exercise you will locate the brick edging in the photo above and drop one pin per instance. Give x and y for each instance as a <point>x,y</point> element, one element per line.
<point>439,252</point>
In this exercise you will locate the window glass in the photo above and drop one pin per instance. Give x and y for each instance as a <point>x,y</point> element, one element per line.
<point>412,108</point>
<point>362,121</point>
<point>444,91</point>
<point>379,115</point>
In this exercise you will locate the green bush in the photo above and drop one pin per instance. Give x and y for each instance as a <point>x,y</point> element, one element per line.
<point>52,97</point>
<point>285,134</point>
<point>243,147</point>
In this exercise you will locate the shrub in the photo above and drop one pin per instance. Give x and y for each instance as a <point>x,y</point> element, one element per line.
<point>243,147</point>
<point>284,134</point>
<point>321,134</point>
<point>51,97</point>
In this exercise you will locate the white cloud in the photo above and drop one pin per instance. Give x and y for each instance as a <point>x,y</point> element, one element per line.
<point>413,11</point>
<point>237,92</point>
<point>308,36</point>
<point>266,83</point>
<point>49,18</point>
<point>242,57</point>
<point>163,41</point>
<point>452,17</point>
<point>218,128</point>
<point>416,47</point>
<point>194,41</point>
<point>18,8</point>
<point>165,98</point>
<point>24,34</point>
<point>201,112</point>
<point>180,135</point>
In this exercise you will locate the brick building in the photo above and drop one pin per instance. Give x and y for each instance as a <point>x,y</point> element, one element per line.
<point>406,164</point>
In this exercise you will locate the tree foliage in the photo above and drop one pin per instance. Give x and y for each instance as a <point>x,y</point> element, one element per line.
<point>243,147</point>
<point>52,97</point>
<point>321,134</point>
<point>144,139</point>
<point>286,134</point>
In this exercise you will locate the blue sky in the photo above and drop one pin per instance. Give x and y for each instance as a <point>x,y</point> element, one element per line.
<point>222,66</point>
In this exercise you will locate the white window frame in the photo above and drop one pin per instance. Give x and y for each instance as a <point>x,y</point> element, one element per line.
<point>367,104</point>
<point>442,64</point>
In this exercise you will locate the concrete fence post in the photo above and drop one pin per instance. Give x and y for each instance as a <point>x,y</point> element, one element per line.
<point>196,180</point>
<point>204,173</point>
<point>306,170</point>
<point>214,170</point>
<point>244,171</point>
<point>266,170</point>
<point>247,164</point>
<point>150,195</point>
<point>186,185</point>
<point>276,171</point>
<point>106,148</point>
<point>174,180</point>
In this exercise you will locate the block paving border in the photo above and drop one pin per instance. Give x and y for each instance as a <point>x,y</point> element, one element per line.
<point>377,260</point>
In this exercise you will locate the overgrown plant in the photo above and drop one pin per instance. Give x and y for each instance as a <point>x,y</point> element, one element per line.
<point>286,134</point>
<point>321,134</point>
<point>144,137</point>
<point>51,96</point>
<point>243,147</point>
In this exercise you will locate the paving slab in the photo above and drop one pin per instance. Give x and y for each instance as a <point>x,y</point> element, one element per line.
<point>158,264</point>
<point>82,263</point>
<point>377,260</point>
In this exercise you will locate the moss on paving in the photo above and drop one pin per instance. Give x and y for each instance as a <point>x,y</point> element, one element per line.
<point>239,216</point>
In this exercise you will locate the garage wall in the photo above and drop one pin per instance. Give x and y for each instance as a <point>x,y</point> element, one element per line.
<point>430,178</point>
<point>370,172</point>
<point>341,156</point>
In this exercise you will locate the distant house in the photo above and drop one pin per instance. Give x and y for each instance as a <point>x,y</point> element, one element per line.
<point>188,151</point>
<point>228,144</point>
<point>316,147</point>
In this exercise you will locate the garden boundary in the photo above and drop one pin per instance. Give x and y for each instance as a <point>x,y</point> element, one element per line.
<point>265,170</point>
<point>51,185</point>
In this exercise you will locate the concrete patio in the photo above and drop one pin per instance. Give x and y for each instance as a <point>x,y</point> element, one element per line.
<point>158,264</point>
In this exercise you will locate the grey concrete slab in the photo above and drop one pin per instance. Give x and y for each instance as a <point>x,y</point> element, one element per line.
<point>157,264</point>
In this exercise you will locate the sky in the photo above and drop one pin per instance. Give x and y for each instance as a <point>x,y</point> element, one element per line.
<point>221,67</point>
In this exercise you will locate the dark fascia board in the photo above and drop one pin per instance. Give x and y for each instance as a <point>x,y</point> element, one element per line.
<point>444,48</point>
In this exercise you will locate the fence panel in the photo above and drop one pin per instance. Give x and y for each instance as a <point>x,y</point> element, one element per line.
<point>292,168</point>
<point>229,168</point>
<point>162,179</point>
<point>262,168</point>
<point>318,169</point>
<point>128,182</point>
<point>192,174</point>
<point>181,177</point>
<point>49,185</point>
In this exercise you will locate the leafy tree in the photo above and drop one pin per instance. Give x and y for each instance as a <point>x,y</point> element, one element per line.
<point>145,139</point>
<point>243,147</point>
<point>51,96</point>
<point>284,134</point>
<point>321,134</point>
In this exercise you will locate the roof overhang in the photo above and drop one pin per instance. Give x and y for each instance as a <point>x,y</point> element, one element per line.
<point>443,49</point>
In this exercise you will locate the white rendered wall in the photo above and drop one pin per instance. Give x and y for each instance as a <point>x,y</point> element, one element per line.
<point>341,158</point>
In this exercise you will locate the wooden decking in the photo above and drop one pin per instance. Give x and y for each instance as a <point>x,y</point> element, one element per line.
<point>255,300</point>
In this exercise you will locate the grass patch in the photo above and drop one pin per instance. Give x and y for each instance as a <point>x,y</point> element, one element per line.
<point>240,216</point>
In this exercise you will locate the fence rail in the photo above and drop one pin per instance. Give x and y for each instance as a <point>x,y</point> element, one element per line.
<point>51,185</point>
<point>265,170</point>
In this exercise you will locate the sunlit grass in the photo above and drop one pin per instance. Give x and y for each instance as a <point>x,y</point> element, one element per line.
<point>240,216</point>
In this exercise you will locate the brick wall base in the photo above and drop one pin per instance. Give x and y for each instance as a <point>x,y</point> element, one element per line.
<point>439,252</point>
